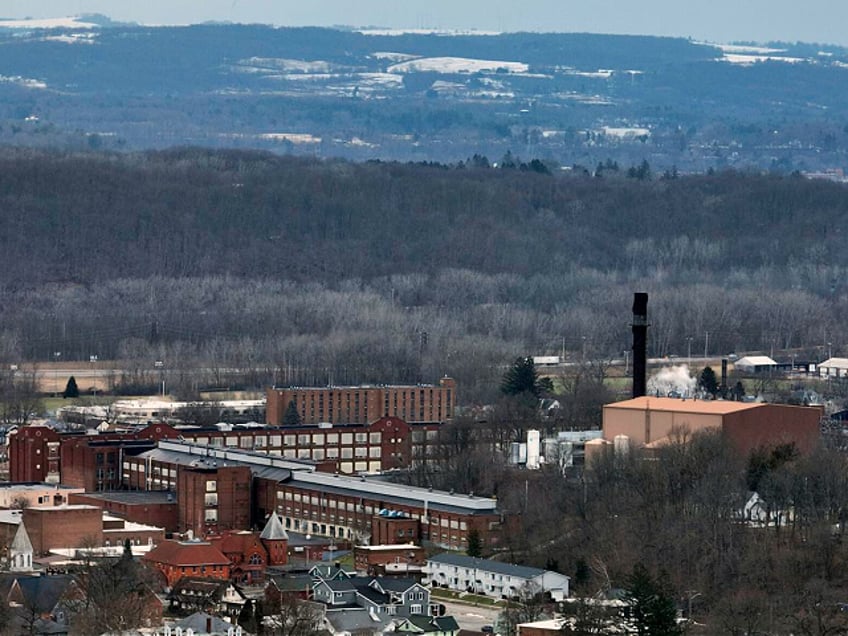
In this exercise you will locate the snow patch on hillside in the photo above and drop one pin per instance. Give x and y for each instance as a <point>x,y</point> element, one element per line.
<point>457,65</point>
<point>69,22</point>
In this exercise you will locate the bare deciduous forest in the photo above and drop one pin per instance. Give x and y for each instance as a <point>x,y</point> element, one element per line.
<point>310,272</point>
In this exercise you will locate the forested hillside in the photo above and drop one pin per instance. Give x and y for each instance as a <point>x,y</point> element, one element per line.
<point>333,271</point>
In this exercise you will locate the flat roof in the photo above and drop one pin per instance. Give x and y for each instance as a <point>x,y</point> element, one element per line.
<point>679,405</point>
<point>35,485</point>
<point>393,493</point>
<point>134,497</point>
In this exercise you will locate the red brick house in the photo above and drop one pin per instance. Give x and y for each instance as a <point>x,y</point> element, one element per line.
<point>199,559</point>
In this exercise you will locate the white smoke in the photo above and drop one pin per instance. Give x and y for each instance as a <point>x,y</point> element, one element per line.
<point>674,380</point>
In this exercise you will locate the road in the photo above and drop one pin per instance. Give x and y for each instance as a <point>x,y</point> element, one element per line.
<point>470,617</point>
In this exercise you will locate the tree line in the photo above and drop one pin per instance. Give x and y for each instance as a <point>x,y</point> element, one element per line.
<point>312,272</point>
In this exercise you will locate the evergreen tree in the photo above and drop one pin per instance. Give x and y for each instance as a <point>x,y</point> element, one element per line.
<point>708,381</point>
<point>291,417</point>
<point>71,389</point>
<point>521,378</point>
<point>652,609</point>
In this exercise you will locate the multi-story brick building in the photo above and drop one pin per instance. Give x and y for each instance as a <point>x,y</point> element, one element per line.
<point>155,507</point>
<point>34,455</point>
<point>41,454</point>
<point>69,526</point>
<point>92,461</point>
<point>363,404</point>
<point>319,503</point>
<point>213,499</point>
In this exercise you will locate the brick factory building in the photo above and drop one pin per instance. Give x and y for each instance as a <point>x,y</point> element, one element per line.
<point>69,526</point>
<point>214,499</point>
<point>158,508</point>
<point>91,461</point>
<point>309,501</point>
<point>647,421</point>
<point>363,404</point>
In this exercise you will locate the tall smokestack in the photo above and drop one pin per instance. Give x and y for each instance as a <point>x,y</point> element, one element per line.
<point>640,343</point>
<point>723,388</point>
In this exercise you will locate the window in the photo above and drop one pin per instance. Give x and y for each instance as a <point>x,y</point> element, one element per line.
<point>211,499</point>
<point>375,438</point>
<point>211,485</point>
<point>332,453</point>
<point>374,452</point>
<point>318,439</point>
<point>289,440</point>
<point>347,438</point>
<point>362,438</point>
<point>332,438</point>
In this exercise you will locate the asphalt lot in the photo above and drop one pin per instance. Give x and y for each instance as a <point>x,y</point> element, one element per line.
<point>469,616</point>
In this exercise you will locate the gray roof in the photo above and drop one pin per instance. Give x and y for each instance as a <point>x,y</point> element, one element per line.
<point>487,565</point>
<point>134,497</point>
<point>198,621</point>
<point>21,542</point>
<point>356,620</point>
<point>393,493</point>
<point>434,623</point>
<point>274,530</point>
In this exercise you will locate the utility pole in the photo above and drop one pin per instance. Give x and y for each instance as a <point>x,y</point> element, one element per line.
<point>706,343</point>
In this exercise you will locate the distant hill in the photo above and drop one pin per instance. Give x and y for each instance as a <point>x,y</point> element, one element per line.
<point>569,98</point>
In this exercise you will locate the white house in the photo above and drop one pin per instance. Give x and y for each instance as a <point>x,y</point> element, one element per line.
<point>492,578</point>
<point>833,368</point>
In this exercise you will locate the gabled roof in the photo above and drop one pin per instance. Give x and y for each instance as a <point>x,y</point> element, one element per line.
<point>197,587</point>
<point>424,624</point>
<point>41,592</point>
<point>835,363</point>
<point>186,553</point>
<point>755,361</point>
<point>21,542</point>
<point>273,530</point>
<point>241,542</point>
<point>198,621</point>
<point>486,565</point>
<point>355,620</point>
<point>392,584</point>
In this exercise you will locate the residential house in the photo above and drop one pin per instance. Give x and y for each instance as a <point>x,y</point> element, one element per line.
<point>191,595</point>
<point>380,596</point>
<point>40,604</point>
<point>202,624</point>
<point>493,578</point>
<point>430,625</point>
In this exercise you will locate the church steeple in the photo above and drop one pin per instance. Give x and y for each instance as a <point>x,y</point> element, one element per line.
<point>20,552</point>
<point>275,540</point>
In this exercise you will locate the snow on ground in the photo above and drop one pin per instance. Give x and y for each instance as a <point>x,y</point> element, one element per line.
<point>443,32</point>
<point>49,23</point>
<point>744,49</point>
<point>22,81</point>
<point>748,60</point>
<point>456,65</point>
<point>393,57</point>
<point>295,138</point>
<point>264,64</point>
<point>73,38</point>
<point>624,132</point>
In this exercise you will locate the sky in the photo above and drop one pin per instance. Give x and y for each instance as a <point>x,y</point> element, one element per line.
<point>821,21</point>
